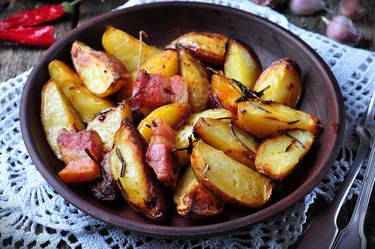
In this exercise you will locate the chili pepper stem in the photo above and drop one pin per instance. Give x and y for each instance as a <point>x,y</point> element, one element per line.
<point>69,6</point>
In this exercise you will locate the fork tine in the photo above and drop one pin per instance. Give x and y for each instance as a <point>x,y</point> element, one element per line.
<point>370,120</point>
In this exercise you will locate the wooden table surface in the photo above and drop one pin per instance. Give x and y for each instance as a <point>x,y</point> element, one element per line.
<point>17,59</point>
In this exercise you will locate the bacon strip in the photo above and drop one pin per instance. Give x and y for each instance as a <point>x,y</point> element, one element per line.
<point>74,147</point>
<point>159,155</point>
<point>155,90</point>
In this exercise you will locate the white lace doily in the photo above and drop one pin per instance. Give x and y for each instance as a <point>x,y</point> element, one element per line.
<point>33,215</point>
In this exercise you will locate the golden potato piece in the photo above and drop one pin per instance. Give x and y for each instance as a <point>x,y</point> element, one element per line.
<point>278,156</point>
<point>208,47</point>
<point>108,122</point>
<point>265,120</point>
<point>125,47</point>
<point>224,93</point>
<point>281,82</point>
<point>229,179</point>
<point>193,200</point>
<point>186,131</point>
<point>241,63</point>
<point>173,114</point>
<point>102,73</point>
<point>134,178</point>
<point>225,136</point>
<point>87,104</point>
<point>197,77</point>
<point>165,63</point>
<point>57,113</point>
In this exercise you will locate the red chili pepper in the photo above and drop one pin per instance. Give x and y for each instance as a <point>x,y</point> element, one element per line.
<point>41,36</point>
<point>33,17</point>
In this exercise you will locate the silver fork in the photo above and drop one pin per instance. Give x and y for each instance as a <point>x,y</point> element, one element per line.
<point>323,230</point>
<point>352,236</point>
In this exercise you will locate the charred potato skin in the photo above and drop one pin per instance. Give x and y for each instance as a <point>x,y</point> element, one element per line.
<point>208,47</point>
<point>125,47</point>
<point>241,63</point>
<point>268,119</point>
<point>193,200</point>
<point>197,77</point>
<point>228,179</point>
<point>57,113</point>
<point>138,185</point>
<point>281,82</point>
<point>224,136</point>
<point>87,104</point>
<point>278,156</point>
<point>102,73</point>
<point>224,93</point>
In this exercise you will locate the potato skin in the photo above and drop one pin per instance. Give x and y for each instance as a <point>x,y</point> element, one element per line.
<point>208,47</point>
<point>193,200</point>
<point>265,120</point>
<point>125,47</point>
<point>281,82</point>
<point>229,179</point>
<point>87,104</point>
<point>241,63</point>
<point>225,136</point>
<point>56,114</point>
<point>224,93</point>
<point>138,185</point>
<point>102,73</point>
<point>278,156</point>
<point>197,77</point>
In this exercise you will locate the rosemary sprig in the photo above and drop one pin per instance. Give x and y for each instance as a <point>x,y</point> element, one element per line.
<point>123,163</point>
<point>91,156</point>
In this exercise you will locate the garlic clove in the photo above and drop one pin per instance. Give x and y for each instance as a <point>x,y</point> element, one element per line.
<point>352,8</point>
<point>342,29</point>
<point>306,7</point>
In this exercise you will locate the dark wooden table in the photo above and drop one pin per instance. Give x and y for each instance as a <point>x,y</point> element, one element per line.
<point>17,59</point>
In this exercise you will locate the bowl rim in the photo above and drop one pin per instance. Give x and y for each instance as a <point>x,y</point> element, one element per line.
<point>201,231</point>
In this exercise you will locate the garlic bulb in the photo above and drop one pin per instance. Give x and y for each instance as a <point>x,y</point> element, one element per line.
<point>305,7</point>
<point>342,29</point>
<point>352,8</point>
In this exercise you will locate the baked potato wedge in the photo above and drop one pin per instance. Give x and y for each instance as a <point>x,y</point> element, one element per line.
<point>208,47</point>
<point>225,136</point>
<point>107,122</point>
<point>241,63</point>
<point>134,178</point>
<point>173,114</point>
<point>186,131</point>
<point>194,200</point>
<point>87,104</point>
<point>102,73</point>
<point>229,179</point>
<point>57,113</point>
<point>224,93</point>
<point>281,82</point>
<point>165,63</point>
<point>265,120</point>
<point>197,77</point>
<point>278,156</point>
<point>125,47</point>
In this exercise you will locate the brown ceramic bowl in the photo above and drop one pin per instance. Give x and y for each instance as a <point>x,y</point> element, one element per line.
<point>163,22</point>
